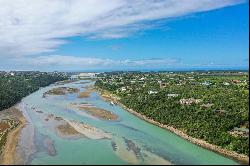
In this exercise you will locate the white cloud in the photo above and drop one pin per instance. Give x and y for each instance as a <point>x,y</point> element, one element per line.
<point>30,27</point>
<point>69,62</point>
<point>62,62</point>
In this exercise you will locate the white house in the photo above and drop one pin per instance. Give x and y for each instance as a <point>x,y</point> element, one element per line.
<point>152,92</point>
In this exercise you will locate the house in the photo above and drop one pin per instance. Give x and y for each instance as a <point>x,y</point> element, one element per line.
<point>189,101</point>
<point>239,132</point>
<point>226,83</point>
<point>206,83</point>
<point>123,89</point>
<point>152,92</point>
<point>173,95</point>
<point>236,81</point>
<point>191,78</point>
<point>208,105</point>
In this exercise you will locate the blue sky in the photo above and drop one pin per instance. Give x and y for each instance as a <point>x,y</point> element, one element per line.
<point>216,38</point>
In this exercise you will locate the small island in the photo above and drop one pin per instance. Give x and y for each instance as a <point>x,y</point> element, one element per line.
<point>61,91</point>
<point>95,111</point>
<point>86,93</point>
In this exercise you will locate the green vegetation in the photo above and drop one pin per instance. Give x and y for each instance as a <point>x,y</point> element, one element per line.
<point>16,85</point>
<point>212,106</point>
<point>61,91</point>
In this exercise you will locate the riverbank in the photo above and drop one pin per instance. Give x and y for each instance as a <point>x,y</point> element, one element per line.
<point>243,159</point>
<point>8,151</point>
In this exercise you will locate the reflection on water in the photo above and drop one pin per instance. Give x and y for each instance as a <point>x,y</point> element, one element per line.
<point>80,139</point>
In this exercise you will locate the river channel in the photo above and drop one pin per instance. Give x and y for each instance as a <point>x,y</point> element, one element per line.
<point>128,140</point>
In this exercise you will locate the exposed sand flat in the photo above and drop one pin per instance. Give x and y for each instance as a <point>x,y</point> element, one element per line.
<point>130,152</point>
<point>124,154</point>
<point>153,159</point>
<point>9,149</point>
<point>62,128</point>
<point>61,91</point>
<point>96,112</point>
<point>67,130</point>
<point>86,94</point>
<point>88,131</point>
<point>50,147</point>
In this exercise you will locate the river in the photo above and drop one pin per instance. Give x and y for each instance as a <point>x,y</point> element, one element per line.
<point>132,141</point>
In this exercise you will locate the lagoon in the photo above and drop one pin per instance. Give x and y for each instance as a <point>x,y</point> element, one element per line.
<point>132,141</point>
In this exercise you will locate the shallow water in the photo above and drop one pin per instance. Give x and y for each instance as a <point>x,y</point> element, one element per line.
<point>133,141</point>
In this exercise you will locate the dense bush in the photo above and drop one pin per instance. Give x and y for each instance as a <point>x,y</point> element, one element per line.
<point>14,88</point>
<point>195,120</point>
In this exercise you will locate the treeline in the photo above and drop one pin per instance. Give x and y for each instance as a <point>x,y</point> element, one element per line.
<point>206,123</point>
<point>14,87</point>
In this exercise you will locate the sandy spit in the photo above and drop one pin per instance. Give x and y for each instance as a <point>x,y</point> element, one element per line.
<point>89,131</point>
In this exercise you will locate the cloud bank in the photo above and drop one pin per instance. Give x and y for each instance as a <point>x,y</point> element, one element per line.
<point>66,62</point>
<point>69,63</point>
<point>29,28</point>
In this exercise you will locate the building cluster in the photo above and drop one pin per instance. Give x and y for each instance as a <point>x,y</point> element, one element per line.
<point>189,101</point>
<point>239,132</point>
<point>31,73</point>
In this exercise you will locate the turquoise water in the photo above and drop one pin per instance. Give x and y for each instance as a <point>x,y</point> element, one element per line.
<point>133,141</point>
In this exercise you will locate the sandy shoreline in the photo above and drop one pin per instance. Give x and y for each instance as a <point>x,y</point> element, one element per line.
<point>9,149</point>
<point>243,159</point>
